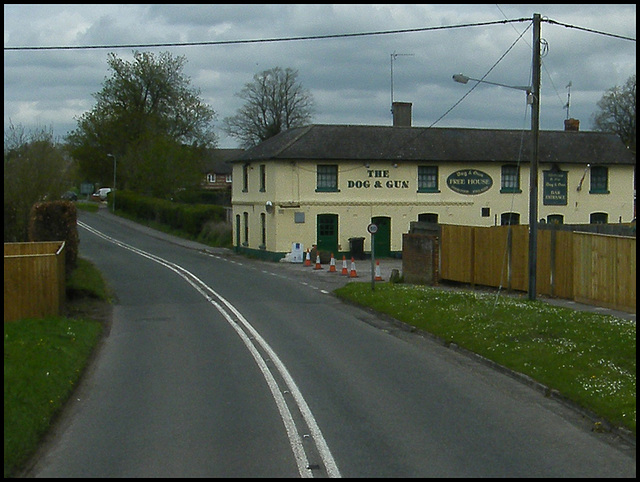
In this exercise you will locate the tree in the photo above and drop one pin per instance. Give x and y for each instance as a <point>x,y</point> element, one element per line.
<point>35,169</point>
<point>618,113</point>
<point>145,101</point>
<point>275,101</point>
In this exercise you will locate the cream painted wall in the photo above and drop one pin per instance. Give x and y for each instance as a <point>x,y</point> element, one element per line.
<point>381,189</point>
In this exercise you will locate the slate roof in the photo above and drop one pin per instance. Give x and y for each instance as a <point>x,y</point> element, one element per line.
<point>217,160</point>
<point>385,143</point>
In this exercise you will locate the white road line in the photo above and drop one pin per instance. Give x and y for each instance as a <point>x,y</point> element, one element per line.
<point>290,427</point>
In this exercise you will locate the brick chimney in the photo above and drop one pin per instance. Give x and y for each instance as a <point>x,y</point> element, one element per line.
<point>571,125</point>
<point>401,114</point>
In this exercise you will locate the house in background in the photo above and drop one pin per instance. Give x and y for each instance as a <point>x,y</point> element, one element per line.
<point>218,170</point>
<point>324,185</point>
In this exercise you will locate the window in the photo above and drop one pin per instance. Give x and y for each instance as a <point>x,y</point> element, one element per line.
<point>485,212</point>
<point>245,178</point>
<point>211,178</point>
<point>246,229</point>
<point>263,223</point>
<point>599,218</point>
<point>509,219</point>
<point>428,179</point>
<point>599,180</point>
<point>510,181</point>
<point>327,178</point>
<point>428,218</point>
<point>263,178</point>
<point>555,219</point>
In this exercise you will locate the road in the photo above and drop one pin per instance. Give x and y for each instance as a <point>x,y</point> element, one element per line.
<point>220,366</point>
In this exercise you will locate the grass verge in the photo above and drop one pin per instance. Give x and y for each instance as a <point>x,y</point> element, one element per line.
<point>43,362</point>
<point>589,358</point>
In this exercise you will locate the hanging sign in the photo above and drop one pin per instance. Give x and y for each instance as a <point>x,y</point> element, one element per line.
<point>469,181</point>
<point>554,192</point>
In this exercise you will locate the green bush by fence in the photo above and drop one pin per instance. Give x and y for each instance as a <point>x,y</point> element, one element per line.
<point>56,221</point>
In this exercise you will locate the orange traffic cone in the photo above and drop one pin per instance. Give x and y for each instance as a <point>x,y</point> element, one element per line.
<point>352,273</point>
<point>318,263</point>
<point>307,260</point>
<point>332,264</point>
<point>344,266</point>
<point>378,276</point>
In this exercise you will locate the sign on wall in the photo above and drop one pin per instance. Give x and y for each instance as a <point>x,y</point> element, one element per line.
<point>469,181</point>
<point>554,192</point>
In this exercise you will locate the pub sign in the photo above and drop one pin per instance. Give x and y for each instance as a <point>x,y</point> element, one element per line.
<point>469,181</point>
<point>554,191</point>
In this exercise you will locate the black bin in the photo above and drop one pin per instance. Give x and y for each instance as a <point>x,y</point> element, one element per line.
<point>356,247</point>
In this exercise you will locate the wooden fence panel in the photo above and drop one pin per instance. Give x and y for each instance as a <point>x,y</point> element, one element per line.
<point>605,271</point>
<point>586,267</point>
<point>34,280</point>
<point>520,258</point>
<point>456,262</point>
<point>561,284</point>
<point>491,256</point>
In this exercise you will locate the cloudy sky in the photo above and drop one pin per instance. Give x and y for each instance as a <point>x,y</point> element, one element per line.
<point>350,77</point>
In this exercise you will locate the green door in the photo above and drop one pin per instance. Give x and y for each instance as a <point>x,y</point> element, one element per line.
<point>382,238</point>
<point>327,235</point>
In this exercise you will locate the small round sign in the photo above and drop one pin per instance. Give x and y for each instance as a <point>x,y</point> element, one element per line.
<point>372,228</point>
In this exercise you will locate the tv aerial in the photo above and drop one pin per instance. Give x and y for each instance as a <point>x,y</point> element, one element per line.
<point>566,106</point>
<point>394,55</point>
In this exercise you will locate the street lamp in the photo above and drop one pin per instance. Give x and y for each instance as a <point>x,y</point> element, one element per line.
<point>114,181</point>
<point>463,79</point>
<point>533,98</point>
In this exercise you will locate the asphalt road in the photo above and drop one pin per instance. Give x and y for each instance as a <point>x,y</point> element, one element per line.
<point>219,366</point>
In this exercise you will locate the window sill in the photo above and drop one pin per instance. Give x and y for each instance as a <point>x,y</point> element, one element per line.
<point>510,190</point>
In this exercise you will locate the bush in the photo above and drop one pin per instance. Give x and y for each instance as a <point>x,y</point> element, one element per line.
<point>56,221</point>
<point>188,218</point>
<point>216,234</point>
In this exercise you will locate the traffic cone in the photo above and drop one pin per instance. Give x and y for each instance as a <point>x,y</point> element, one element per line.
<point>378,276</point>
<point>344,266</point>
<point>307,260</point>
<point>318,263</point>
<point>332,264</point>
<point>352,273</point>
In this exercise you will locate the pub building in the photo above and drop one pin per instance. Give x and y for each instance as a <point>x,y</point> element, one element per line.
<point>324,185</point>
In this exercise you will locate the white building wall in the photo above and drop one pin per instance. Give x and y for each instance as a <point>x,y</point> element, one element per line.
<point>367,190</point>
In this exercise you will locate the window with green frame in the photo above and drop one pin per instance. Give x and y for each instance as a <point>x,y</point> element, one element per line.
<point>428,179</point>
<point>510,180</point>
<point>599,180</point>
<point>327,180</point>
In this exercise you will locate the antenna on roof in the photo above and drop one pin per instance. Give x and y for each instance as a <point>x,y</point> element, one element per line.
<point>393,57</point>
<point>568,98</point>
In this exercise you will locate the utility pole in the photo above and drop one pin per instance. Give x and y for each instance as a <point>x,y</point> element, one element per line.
<point>533,177</point>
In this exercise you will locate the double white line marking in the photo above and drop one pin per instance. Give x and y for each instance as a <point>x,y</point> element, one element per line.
<point>252,340</point>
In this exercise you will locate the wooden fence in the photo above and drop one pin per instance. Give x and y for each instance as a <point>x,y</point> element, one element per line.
<point>34,279</point>
<point>586,267</point>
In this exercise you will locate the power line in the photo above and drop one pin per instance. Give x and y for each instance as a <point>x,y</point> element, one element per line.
<point>253,41</point>
<point>481,79</point>
<point>553,22</point>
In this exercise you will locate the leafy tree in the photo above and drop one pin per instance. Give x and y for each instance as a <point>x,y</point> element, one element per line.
<point>36,169</point>
<point>143,102</point>
<point>275,101</point>
<point>162,165</point>
<point>618,112</point>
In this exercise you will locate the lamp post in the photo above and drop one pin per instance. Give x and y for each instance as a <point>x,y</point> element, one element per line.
<point>533,97</point>
<point>114,181</point>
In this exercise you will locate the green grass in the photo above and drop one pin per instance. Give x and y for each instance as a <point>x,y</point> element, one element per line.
<point>589,358</point>
<point>89,206</point>
<point>43,362</point>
